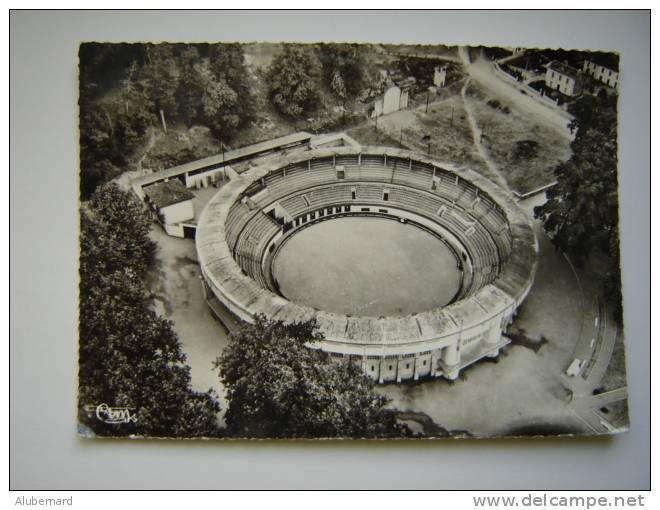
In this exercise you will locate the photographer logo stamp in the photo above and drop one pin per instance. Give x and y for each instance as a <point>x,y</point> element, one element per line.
<point>115,415</point>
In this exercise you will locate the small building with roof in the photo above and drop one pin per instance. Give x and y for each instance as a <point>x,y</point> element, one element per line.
<point>564,78</point>
<point>604,68</point>
<point>207,171</point>
<point>440,76</point>
<point>396,96</point>
<point>172,205</point>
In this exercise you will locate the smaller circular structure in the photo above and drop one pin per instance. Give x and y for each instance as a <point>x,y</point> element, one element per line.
<point>367,266</point>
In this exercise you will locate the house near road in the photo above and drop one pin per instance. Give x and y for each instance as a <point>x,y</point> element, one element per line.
<point>564,78</point>
<point>605,70</point>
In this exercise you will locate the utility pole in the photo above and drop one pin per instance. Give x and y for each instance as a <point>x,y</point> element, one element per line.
<point>451,121</point>
<point>401,137</point>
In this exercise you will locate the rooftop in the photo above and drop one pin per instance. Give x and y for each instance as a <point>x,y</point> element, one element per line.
<point>218,160</point>
<point>162,194</point>
<point>564,69</point>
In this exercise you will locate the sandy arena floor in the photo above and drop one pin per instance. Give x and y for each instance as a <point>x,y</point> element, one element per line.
<point>367,266</point>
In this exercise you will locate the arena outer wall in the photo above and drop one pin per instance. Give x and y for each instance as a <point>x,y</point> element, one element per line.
<point>432,343</point>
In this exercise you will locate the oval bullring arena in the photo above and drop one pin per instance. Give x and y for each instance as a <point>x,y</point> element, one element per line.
<point>411,267</point>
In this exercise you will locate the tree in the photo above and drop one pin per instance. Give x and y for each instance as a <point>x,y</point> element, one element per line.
<point>337,85</point>
<point>342,68</point>
<point>593,113</point>
<point>128,355</point>
<point>227,63</point>
<point>189,90</point>
<point>214,91</point>
<point>127,88</point>
<point>293,76</point>
<point>278,386</point>
<point>582,210</point>
<point>123,221</point>
<point>161,76</point>
<point>218,103</point>
<point>112,127</point>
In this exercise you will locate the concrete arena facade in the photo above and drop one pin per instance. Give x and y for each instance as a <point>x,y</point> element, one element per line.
<point>243,226</point>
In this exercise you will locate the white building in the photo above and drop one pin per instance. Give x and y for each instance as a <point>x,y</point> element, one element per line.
<point>607,74</point>
<point>563,78</point>
<point>172,204</point>
<point>440,76</point>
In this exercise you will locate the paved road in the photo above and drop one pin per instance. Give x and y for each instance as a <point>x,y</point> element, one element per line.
<point>483,71</point>
<point>595,344</point>
<point>584,408</point>
<point>610,397</point>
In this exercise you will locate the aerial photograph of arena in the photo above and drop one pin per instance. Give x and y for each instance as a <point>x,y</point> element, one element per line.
<point>337,240</point>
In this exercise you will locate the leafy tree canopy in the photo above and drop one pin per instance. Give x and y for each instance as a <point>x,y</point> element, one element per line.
<point>293,76</point>
<point>128,355</point>
<point>343,66</point>
<point>127,88</point>
<point>277,386</point>
<point>582,211</point>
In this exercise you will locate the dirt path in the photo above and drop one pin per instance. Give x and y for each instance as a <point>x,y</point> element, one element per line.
<point>154,134</point>
<point>477,134</point>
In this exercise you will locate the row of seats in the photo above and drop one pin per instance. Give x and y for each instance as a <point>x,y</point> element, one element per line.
<point>251,245</point>
<point>294,205</point>
<point>490,217</point>
<point>415,177</point>
<point>238,216</point>
<point>369,168</point>
<point>329,195</point>
<point>366,192</point>
<point>489,234</point>
<point>479,244</point>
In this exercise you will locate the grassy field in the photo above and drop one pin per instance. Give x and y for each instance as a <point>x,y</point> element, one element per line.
<point>367,134</point>
<point>442,131</point>
<point>525,151</point>
<point>180,145</point>
<point>616,413</point>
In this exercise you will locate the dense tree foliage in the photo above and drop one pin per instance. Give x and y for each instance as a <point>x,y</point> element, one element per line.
<point>160,74</point>
<point>227,63</point>
<point>343,68</point>
<point>110,131</point>
<point>128,355</point>
<point>127,88</point>
<point>292,78</point>
<point>582,211</point>
<point>422,69</point>
<point>279,387</point>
